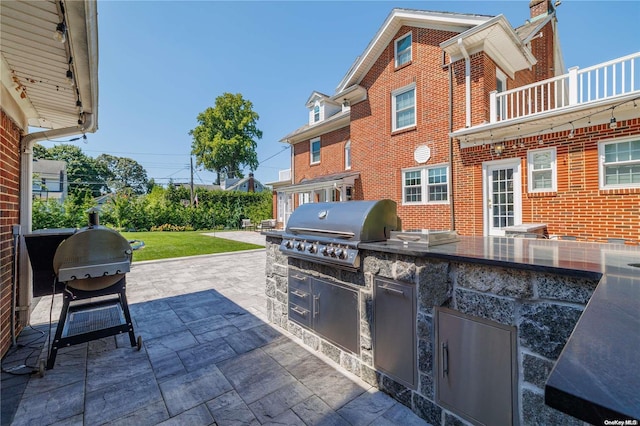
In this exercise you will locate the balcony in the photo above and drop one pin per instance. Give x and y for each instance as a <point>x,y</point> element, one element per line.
<point>591,94</point>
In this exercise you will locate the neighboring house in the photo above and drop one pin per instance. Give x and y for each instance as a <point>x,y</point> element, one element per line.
<point>36,93</point>
<point>50,179</point>
<point>470,124</point>
<point>247,184</point>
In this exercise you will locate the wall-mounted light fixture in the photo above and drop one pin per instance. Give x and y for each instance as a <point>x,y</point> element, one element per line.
<point>498,148</point>
<point>60,34</point>
<point>70,77</point>
<point>572,132</point>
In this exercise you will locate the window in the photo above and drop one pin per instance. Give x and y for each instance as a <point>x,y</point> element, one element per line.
<point>437,184</point>
<point>315,150</point>
<point>403,50</point>
<point>403,102</point>
<point>347,155</point>
<point>542,170</point>
<point>316,113</point>
<point>620,164</point>
<point>413,186</point>
<point>425,185</point>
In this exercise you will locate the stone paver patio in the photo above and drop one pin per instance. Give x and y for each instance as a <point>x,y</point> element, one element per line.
<point>208,357</point>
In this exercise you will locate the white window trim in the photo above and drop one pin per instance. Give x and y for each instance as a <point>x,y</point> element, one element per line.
<point>397,92</point>
<point>317,105</point>
<point>601,164</point>
<point>347,155</point>
<point>311,142</point>
<point>554,170</point>
<point>424,184</point>
<point>395,49</point>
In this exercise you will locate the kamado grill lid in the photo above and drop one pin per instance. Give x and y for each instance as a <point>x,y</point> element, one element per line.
<point>92,259</point>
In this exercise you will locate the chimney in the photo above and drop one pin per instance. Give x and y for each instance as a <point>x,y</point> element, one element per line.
<point>540,7</point>
<point>251,185</point>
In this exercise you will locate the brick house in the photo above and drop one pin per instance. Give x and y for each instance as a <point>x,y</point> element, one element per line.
<point>471,124</point>
<point>50,81</point>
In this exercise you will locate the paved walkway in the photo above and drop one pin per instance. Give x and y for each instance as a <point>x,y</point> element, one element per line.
<point>208,357</point>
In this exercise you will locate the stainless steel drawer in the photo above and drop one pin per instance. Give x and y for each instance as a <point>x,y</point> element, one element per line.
<point>300,290</point>
<point>300,315</point>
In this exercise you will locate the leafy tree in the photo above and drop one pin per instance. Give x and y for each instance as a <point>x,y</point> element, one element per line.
<point>84,174</point>
<point>124,173</point>
<point>225,139</point>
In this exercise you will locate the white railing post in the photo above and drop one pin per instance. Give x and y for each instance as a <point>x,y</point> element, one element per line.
<point>493,106</point>
<point>573,86</point>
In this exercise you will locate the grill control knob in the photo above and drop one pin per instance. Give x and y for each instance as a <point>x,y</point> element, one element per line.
<point>312,248</point>
<point>324,251</point>
<point>332,252</point>
<point>342,254</point>
<point>289,244</point>
<point>300,247</point>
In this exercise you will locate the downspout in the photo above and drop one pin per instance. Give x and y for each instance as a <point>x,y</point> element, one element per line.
<point>26,174</point>
<point>467,82</point>
<point>452,209</point>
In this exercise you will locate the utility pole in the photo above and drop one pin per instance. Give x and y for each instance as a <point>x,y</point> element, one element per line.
<point>191,159</point>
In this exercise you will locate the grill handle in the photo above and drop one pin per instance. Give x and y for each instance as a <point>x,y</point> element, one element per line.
<point>338,234</point>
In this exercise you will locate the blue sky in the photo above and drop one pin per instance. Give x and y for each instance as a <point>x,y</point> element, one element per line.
<point>161,63</point>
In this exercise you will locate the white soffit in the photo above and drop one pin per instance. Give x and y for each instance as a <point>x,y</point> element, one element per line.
<point>34,65</point>
<point>397,18</point>
<point>498,39</point>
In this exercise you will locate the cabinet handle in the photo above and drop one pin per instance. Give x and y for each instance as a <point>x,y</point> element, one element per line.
<point>299,294</point>
<point>445,359</point>
<point>299,311</point>
<point>299,277</point>
<point>316,306</point>
<point>392,290</point>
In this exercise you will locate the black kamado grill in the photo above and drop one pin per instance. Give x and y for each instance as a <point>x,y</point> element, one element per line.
<point>330,233</point>
<point>92,264</point>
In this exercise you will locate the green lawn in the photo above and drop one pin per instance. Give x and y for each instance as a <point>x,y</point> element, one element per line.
<point>164,245</point>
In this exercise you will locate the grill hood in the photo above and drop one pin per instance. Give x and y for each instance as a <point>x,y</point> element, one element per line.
<point>349,221</point>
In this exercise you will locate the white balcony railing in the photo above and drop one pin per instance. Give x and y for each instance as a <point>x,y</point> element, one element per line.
<point>596,83</point>
<point>284,175</point>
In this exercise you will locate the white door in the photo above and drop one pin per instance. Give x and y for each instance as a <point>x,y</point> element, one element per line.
<point>502,195</point>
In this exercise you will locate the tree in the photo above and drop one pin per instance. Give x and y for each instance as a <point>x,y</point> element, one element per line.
<point>225,139</point>
<point>124,173</point>
<point>84,174</point>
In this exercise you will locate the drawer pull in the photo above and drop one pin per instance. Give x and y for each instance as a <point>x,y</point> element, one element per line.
<point>299,294</point>
<point>299,311</point>
<point>299,277</point>
<point>392,290</point>
<point>445,359</point>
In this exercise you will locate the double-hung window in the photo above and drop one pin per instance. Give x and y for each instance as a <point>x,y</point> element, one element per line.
<point>403,103</point>
<point>620,164</point>
<point>542,170</point>
<point>425,185</point>
<point>315,150</point>
<point>403,50</point>
<point>316,113</point>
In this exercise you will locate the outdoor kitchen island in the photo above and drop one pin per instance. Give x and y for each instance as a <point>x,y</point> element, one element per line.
<point>488,319</point>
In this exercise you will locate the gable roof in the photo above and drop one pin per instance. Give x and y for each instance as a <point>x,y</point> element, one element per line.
<point>457,22</point>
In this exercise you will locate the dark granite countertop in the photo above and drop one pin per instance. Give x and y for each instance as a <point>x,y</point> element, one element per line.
<point>597,376</point>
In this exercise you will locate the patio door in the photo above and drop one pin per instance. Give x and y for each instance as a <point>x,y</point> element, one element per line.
<point>502,195</point>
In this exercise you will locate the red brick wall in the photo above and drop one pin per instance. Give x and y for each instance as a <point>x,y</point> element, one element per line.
<point>380,155</point>
<point>578,208</point>
<point>331,156</point>
<point>10,215</point>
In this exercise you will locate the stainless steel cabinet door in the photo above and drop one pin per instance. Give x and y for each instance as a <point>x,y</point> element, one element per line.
<point>335,314</point>
<point>394,311</point>
<point>475,367</point>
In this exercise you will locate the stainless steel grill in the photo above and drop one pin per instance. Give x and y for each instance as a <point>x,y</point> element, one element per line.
<point>330,233</point>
